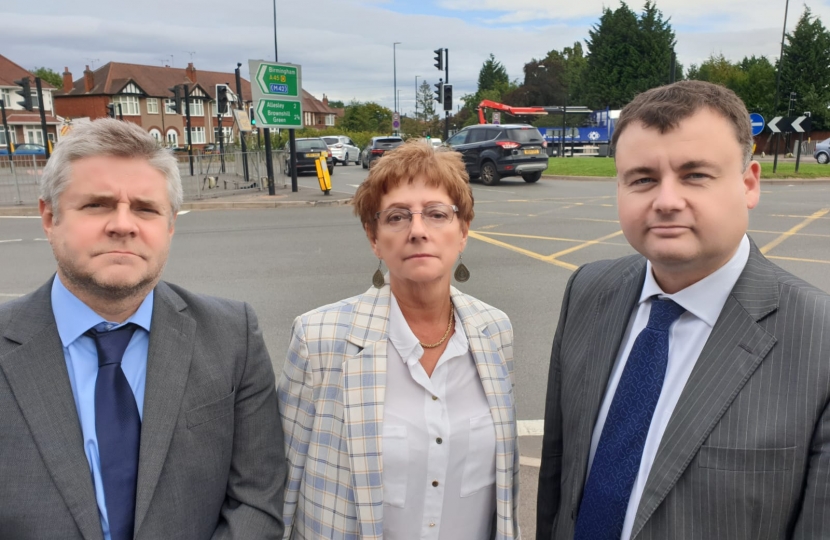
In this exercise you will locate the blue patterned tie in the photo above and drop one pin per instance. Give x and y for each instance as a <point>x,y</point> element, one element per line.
<point>617,458</point>
<point>118,428</point>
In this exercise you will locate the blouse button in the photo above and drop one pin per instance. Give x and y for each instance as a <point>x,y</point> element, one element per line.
<point>439,440</point>
<point>432,524</point>
<point>435,483</point>
<point>434,398</point>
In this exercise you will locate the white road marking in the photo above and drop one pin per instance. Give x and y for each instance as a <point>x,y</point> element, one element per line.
<point>353,185</point>
<point>15,240</point>
<point>530,428</point>
<point>183,212</point>
<point>19,217</point>
<point>10,295</point>
<point>494,190</point>
<point>530,461</point>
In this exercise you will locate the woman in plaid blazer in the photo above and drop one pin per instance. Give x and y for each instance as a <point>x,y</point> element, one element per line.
<point>397,404</point>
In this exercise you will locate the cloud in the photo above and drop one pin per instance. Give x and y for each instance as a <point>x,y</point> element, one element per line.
<point>345,46</point>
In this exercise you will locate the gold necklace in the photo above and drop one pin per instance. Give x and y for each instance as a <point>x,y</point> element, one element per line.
<point>447,333</point>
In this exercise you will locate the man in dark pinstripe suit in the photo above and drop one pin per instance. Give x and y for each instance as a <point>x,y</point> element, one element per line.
<point>738,443</point>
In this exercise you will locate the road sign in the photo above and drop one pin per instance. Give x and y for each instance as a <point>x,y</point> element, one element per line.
<point>277,92</point>
<point>789,124</point>
<point>496,117</point>
<point>757,122</point>
<point>270,79</point>
<point>279,113</point>
<point>243,121</point>
<point>396,121</point>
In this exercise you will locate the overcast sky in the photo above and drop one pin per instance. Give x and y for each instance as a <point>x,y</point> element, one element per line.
<point>345,46</point>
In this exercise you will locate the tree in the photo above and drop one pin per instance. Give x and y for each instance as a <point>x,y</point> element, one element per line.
<point>367,117</point>
<point>804,70</point>
<point>337,104</point>
<point>492,75</point>
<point>425,101</point>
<point>46,74</point>
<point>627,55</point>
<point>752,79</point>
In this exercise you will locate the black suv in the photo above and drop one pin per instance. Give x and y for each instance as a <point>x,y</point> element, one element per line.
<point>308,151</point>
<point>493,151</point>
<point>376,147</point>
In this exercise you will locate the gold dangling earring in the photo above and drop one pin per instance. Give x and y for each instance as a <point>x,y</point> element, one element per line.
<point>462,273</point>
<point>377,279</point>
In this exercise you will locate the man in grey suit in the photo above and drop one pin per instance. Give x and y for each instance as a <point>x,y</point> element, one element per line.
<point>689,386</point>
<point>129,407</point>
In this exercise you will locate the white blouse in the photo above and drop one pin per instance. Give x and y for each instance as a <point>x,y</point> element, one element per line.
<point>439,442</point>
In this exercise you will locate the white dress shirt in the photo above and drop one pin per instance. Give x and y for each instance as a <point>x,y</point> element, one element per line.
<point>439,442</point>
<point>703,301</point>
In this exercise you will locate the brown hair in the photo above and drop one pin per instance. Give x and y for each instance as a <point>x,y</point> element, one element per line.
<point>442,168</point>
<point>666,106</point>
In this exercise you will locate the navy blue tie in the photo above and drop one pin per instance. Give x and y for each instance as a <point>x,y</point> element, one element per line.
<point>620,449</point>
<point>118,428</point>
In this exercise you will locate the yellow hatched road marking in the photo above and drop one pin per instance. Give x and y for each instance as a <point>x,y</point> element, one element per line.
<point>816,215</point>
<point>526,252</point>
<point>584,245</point>
<point>797,259</point>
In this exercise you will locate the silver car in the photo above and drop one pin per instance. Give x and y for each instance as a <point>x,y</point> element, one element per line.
<point>822,152</point>
<point>343,150</point>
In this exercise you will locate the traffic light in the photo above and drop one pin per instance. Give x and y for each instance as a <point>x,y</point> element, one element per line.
<point>448,97</point>
<point>221,99</point>
<point>253,116</point>
<point>26,93</point>
<point>177,99</point>
<point>439,60</point>
<point>439,91</point>
<point>111,110</point>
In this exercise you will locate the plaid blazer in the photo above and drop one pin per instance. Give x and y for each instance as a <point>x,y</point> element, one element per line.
<point>331,395</point>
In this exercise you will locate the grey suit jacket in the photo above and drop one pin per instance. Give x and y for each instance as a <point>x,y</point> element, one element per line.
<point>211,461</point>
<point>746,453</point>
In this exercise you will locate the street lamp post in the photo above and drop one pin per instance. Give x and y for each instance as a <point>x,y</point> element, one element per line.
<point>395,75</point>
<point>416,97</point>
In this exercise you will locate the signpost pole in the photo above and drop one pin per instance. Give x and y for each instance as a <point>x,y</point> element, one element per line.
<point>775,161</point>
<point>269,161</point>
<point>240,104</point>
<point>292,145</point>
<point>798,151</point>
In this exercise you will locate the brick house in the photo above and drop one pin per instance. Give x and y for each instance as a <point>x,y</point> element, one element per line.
<point>24,126</point>
<point>143,93</point>
<point>316,113</point>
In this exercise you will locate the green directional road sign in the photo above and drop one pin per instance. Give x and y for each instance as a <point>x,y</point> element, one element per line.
<point>273,80</point>
<point>279,113</point>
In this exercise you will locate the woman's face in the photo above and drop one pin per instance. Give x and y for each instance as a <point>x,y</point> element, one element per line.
<point>419,253</point>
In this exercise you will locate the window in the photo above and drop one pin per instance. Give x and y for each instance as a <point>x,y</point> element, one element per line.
<point>34,135</point>
<point>153,107</point>
<point>215,109</point>
<point>197,135</point>
<point>228,133</point>
<point>35,101</point>
<point>309,119</point>
<point>172,138</point>
<point>329,119</point>
<point>6,96</point>
<point>197,108</point>
<point>129,105</point>
<point>169,106</point>
<point>156,134</point>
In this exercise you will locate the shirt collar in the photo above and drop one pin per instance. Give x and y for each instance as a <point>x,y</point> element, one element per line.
<point>406,342</point>
<point>706,298</point>
<point>73,317</point>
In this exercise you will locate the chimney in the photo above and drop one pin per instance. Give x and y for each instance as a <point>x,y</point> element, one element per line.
<point>89,80</point>
<point>67,80</point>
<point>191,72</point>
<point>325,100</point>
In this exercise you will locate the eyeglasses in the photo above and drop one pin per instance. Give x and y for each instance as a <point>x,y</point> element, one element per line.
<point>398,219</point>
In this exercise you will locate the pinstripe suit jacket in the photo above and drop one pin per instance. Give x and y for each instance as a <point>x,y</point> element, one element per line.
<point>746,453</point>
<point>331,395</point>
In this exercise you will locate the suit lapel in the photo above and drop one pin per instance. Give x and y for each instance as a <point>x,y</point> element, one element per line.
<point>37,375</point>
<point>611,315</point>
<point>168,363</point>
<point>734,350</point>
<point>364,393</point>
<point>495,379</point>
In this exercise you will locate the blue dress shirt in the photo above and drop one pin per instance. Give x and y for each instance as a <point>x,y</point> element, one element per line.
<point>73,319</point>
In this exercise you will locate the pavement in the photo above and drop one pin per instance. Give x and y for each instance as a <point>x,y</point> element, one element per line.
<point>308,197</point>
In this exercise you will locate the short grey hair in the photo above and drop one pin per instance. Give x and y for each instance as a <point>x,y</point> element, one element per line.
<point>108,137</point>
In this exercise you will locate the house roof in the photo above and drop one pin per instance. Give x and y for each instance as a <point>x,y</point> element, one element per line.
<point>314,105</point>
<point>9,72</point>
<point>155,81</point>
<point>18,118</point>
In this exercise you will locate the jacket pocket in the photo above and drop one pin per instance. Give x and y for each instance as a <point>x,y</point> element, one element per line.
<point>480,465</point>
<point>211,411</point>
<point>395,465</point>
<point>747,459</point>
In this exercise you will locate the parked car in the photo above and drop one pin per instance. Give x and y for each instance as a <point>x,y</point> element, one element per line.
<point>376,147</point>
<point>822,152</point>
<point>308,152</point>
<point>210,149</point>
<point>436,142</point>
<point>343,149</point>
<point>493,151</point>
<point>29,149</point>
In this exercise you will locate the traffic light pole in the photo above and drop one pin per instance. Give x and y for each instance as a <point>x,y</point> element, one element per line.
<point>446,80</point>
<point>42,117</point>
<point>189,131</point>
<point>221,143</point>
<point>6,128</point>
<point>241,105</point>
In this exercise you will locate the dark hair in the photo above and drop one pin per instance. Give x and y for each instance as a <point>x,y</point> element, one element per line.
<point>666,106</point>
<point>440,167</point>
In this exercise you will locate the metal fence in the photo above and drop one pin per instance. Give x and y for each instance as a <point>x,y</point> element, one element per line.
<point>213,175</point>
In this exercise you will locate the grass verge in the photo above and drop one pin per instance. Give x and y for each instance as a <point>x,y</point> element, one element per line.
<point>604,167</point>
